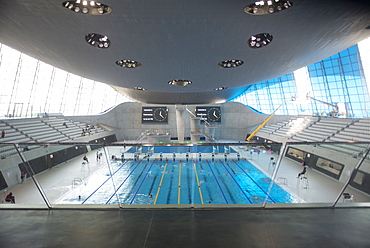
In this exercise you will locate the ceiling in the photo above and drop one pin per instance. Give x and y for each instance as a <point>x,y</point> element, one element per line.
<point>182,39</point>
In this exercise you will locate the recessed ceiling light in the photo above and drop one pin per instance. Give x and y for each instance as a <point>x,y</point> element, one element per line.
<point>98,40</point>
<point>221,88</point>
<point>128,63</point>
<point>232,63</point>
<point>179,82</point>
<point>87,7</point>
<point>139,88</point>
<point>259,40</point>
<point>271,7</point>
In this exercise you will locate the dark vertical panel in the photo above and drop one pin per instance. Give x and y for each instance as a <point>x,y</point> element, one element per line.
<point>3,184</point>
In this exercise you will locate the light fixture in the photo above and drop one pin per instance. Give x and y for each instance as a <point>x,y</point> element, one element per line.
<point>98,40</point>
<point>271,7</point>
<point>221,88</point>
<point>180,82</point>
<point>87,7</point>
<point>139,88</point>
<point>128,63</point>
<point>232,63</point>
<point>259,40</point>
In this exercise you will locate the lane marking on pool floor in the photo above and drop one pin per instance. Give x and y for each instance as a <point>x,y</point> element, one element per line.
<point>160,184</point>
<point>199,189</point>
<point>179,185</point>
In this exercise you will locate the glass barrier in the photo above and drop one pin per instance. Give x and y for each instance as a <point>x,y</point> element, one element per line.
<point>189,175</point>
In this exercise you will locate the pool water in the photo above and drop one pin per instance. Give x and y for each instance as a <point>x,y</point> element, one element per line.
<point>198,182</point>
<point>181,149</point>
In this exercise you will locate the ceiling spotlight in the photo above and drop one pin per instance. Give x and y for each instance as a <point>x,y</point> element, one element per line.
<point>180,82</point>
<point>139,88</point>
<point>128,63</point>
<point>272,7</point>
<point>259,40</point>
<point>88,7</point>
<point>98,40</point>
<point>221,88</point>
<point>230,63</point>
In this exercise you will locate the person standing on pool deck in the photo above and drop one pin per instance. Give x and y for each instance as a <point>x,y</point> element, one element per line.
<point>85,159</point>
<point>97,156</point>
<point>23,175</point>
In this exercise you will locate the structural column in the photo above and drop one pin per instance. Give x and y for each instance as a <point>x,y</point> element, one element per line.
<point>194,128</point>
<point>180,122</point>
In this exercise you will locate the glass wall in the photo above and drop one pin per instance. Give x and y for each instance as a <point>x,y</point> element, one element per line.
<point>192,175</point>
<point>31,87</point>
<point>334,86</point>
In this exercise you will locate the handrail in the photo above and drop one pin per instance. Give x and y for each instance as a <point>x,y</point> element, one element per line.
<point>194,115</point>
<point>266,120</point>
<point>143,134</point>
<point>206,124</point>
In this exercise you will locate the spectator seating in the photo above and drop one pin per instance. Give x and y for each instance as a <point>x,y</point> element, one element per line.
<point>39,130</point>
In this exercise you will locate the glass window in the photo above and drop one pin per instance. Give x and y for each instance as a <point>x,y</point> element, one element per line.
<point>329,166</point>
<point>32,87</point>
<point>334,80</point>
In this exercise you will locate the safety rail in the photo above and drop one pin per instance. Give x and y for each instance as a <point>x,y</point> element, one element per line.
<point>76,182</point>
<point>203,128</point>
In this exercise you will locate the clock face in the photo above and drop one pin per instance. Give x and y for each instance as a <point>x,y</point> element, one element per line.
<point>160,114</point>
<point>214,115</point>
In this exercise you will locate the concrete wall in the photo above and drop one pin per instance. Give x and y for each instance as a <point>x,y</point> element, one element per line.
<point>126,119</point>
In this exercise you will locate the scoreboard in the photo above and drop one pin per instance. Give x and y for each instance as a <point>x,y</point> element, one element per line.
<point>210,114</point>
<point>154,115</point>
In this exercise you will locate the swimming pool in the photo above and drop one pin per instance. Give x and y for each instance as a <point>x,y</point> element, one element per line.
<point>181,149</point>
<point>180,182</point>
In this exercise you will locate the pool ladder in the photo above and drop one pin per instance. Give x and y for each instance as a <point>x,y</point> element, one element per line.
<point>303,182</point>
<point>76,182</point>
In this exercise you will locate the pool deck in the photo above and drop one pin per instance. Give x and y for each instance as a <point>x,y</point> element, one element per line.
<point>30,224</point>
<point>58,181</point>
